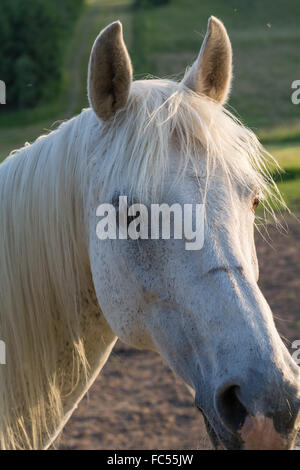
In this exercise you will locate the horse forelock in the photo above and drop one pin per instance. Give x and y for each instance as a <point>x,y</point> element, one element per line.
<point>161,115</point>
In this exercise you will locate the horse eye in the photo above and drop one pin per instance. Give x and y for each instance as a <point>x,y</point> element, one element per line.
<point>255,203</point>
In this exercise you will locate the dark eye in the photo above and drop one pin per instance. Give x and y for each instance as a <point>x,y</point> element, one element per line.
<point>255,203</point>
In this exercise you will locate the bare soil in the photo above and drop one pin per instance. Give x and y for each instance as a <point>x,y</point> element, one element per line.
<point>138,403</point>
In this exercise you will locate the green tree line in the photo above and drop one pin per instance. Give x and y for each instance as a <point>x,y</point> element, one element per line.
<point>33,34</point>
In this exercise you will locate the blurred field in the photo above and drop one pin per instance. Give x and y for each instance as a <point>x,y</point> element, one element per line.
<point>137,402</point>
<point>18,127</point>
<point>266,41</point>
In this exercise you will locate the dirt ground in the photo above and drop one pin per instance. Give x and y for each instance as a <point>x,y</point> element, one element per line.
<point>138,403</point>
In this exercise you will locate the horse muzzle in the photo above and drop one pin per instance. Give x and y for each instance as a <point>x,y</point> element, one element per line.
<point>245,420</point>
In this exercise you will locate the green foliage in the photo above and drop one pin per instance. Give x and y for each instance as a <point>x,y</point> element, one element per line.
<point>32,38</point>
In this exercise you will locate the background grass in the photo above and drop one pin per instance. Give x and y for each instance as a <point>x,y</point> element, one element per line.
<point>265,39</point>
<point>266,42</point>
<point>163,41</point>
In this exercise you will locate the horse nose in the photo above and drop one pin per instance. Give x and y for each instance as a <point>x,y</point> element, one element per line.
<point>256,418</point>
<point>229,407</point>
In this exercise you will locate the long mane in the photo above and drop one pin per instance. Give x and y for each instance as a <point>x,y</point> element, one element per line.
<point>44,260</point>
<point>44,274</point>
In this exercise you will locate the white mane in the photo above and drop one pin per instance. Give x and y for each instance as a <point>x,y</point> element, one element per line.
<point>44,274</point>
<point>43,245</point>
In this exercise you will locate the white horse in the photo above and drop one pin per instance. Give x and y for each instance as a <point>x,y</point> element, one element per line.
<point>66,295</point>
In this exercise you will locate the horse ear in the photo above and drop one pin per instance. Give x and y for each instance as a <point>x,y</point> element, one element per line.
<point>110,72</point>
<point>211,73</point>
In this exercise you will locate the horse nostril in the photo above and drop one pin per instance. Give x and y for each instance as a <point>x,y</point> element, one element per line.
<point>231,411</point>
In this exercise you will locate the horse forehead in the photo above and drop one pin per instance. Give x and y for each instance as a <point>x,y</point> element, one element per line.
<point>215,193</point>
<point>205,177</point>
